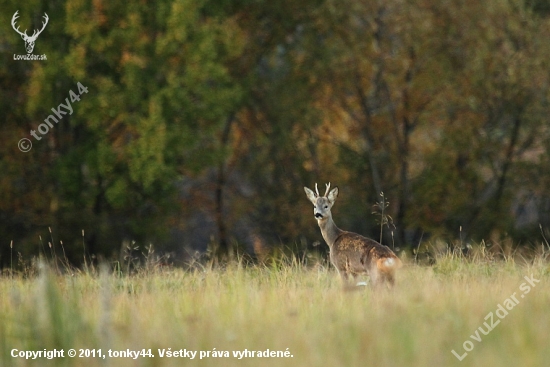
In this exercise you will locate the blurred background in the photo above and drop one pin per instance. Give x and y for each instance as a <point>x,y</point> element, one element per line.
<point>204,119</point>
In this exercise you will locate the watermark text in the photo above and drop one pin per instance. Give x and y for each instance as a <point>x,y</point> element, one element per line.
<point>62,109</point>
<point>491,321</point>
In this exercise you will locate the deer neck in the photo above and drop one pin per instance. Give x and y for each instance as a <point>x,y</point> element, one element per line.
<point>329,231</point>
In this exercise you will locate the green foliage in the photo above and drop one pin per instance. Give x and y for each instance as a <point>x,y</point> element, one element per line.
<point>158,92</point>
<point>201,112</point>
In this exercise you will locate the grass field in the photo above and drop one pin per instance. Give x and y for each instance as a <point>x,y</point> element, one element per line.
<point>282,307</point>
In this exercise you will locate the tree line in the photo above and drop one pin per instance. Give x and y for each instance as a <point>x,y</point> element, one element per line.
<point>203,120</point>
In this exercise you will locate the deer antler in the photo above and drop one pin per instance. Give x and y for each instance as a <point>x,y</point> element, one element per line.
<point>44,23</point>
<point>13,19</point>
<point>24,34</point>
<point>316,189</point>
<point>328,188</point>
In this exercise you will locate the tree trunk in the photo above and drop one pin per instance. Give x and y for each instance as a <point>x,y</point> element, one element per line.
<point>223,243</point>
<point>404,150</point>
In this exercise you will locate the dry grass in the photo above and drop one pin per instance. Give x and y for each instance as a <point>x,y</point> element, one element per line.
<point>432,311</point>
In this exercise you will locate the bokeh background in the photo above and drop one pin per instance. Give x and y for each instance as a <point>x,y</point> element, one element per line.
<point>204,119</point>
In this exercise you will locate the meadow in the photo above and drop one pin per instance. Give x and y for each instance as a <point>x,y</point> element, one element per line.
<point>289,313</point>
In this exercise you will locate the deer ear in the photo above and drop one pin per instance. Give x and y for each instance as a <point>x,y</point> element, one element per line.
<point>333,194</point>
<point>310,195</point>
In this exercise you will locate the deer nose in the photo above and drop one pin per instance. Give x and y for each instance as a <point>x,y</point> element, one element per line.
<point>318,215</point>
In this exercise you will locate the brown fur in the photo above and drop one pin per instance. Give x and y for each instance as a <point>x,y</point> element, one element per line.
<point>353,254</point>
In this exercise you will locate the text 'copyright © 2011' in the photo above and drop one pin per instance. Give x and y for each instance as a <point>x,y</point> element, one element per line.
<point>148,353</point>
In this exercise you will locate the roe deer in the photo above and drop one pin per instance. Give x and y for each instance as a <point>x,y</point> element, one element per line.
<point>350,253</point>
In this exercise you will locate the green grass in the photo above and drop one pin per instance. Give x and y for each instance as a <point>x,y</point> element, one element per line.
<point>431,311</point>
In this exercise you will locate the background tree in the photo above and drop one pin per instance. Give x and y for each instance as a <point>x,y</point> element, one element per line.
<point>203,120</point>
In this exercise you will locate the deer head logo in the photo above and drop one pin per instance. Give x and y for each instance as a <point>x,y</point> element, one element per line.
<point>29,40</point>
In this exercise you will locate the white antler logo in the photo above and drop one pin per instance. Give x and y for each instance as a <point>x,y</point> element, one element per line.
<point>29,41</point>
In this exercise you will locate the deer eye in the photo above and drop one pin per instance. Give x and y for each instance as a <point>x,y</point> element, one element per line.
<point>326,206</point>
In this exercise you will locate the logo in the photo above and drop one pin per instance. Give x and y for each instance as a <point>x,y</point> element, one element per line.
<point>29,40</point>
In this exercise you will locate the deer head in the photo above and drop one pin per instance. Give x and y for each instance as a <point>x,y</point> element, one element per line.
<point>29,40</point>
<point>322,204</point>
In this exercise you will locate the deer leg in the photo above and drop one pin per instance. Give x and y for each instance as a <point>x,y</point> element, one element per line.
<point>345,275</point>
<point>389,279</point>
<point>374,277</point>
<point>358,284</point>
